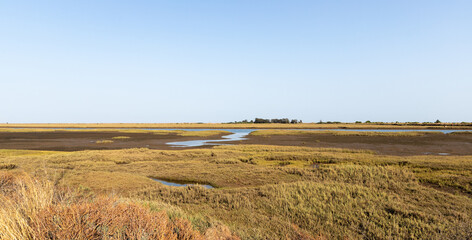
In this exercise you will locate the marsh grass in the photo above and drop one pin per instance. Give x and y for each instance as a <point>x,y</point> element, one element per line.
<point>8,166</point>
<point>32,209</point>
<point>273,192</point>
<point>120,137</point>
<point>347,202</point>
<point>14,152</point>
<point>104,141</point>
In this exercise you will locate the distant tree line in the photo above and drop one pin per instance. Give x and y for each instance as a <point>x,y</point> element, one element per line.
<point>329,122</point>
<point>294,121</point>
<point>435,123</point>
<point>274,120</point>
<point>277,120</point>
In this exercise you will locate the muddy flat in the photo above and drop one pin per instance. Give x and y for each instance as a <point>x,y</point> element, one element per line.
<point>434,144</point>
<point>428,144</point>
<point>84,140</point>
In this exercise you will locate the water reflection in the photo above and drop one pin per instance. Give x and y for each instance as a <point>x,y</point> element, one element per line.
<point>175,184</point>
<point>238,135</point>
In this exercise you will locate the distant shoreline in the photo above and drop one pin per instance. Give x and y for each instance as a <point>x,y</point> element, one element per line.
<point>457,126</point>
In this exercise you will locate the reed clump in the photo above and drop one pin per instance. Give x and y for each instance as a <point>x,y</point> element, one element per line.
<point>33,209</point>
<point>120,137</point>
<point>8,166</point>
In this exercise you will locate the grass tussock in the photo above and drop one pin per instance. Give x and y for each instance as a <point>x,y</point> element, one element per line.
<point>104,141</point>
<point>121,137</point>
<point>32,209</point>
<point>8,166</point>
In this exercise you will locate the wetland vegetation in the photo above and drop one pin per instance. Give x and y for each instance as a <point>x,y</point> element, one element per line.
<point>84,83</point>
<point>260,191</point>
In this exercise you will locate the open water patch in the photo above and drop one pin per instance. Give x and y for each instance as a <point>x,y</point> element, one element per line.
<point>440,154</point>
<point>237,135</point>
<point>182,184</point>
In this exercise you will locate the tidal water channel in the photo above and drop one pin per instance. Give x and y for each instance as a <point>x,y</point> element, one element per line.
<point>240,134</point>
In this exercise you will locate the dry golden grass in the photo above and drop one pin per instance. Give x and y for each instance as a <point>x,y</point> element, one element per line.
<point>120,137</point>
<point>107,218</point>
<point>274,192</point>
<point>104,141</point>
<point>32,209</point>
<point>344,202</point>
<point>19,201</point>
<point>14,152</point>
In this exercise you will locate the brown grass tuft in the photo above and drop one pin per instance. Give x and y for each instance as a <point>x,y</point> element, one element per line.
<point>104,141</point>
<point>31,209</point>
<point>108,218</point>
<point>8,166</point>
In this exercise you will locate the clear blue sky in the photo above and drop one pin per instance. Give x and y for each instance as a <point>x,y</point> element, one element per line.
<point>218,61</point>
